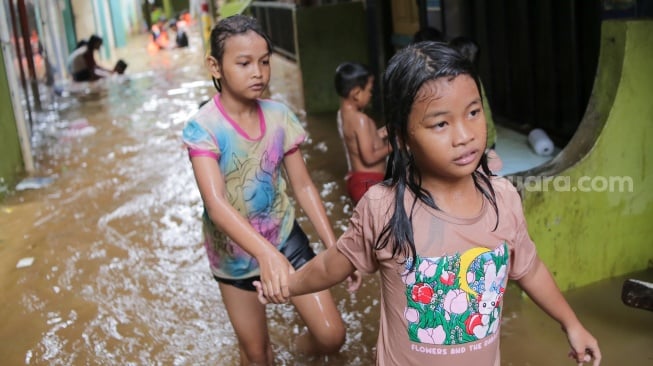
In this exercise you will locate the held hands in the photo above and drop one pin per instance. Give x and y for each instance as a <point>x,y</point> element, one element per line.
<point>275,269</point>
<point>353,284</point>
<point>584,347</point>
<point>267,300</point>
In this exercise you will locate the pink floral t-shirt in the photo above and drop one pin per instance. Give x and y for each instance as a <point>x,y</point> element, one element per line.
<point>447,311</point>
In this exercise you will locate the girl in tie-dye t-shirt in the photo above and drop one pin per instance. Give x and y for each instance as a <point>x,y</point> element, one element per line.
<point>238,145</point>
<point>253,182</point>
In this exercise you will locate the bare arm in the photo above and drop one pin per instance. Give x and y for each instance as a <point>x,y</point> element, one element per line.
<point>308,197</point>
<point>327,269</point>
<point>310,201</point>
<point>274,266</point>
<point>372,147</point>
<point>542,289</point>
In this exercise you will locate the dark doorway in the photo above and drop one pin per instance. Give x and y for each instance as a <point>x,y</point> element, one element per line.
<point>538,60</point>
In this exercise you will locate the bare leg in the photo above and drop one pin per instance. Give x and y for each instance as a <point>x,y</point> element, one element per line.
<point>247,316</point>
<point>326,331</point>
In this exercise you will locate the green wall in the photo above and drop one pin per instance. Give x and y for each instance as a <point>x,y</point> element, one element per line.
<point>11,161</point>
<point>118,9</point>
<point>585,237</point>
<point>69,25</point>
<point>175,6</point>
<point>326,36</point>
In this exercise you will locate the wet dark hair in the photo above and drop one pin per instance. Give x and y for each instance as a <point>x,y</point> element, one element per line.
<point>428,34</point>
<point>408,70</point>
<point>94,40</point>
<point>229,27</point>
<point>466,46</point>
<point>350,75</point>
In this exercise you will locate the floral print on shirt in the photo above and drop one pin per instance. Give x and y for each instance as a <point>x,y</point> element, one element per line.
<point>455,299</point>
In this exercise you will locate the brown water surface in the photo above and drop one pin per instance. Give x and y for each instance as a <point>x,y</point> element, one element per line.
<point>120,278</point>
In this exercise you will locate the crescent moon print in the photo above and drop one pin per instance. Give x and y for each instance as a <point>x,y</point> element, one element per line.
<point>456,299</point>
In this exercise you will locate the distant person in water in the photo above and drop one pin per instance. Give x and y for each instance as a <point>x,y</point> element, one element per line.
<point>81,62</point>
<point>158,36</point>
<point>181,38</point>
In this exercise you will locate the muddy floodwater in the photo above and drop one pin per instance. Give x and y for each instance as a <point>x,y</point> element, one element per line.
<point>119,276</point>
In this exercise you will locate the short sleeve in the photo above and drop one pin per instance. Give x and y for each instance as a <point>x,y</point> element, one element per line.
<point>357,243</point>
<point>295,133</point>
<point>199,141</point>
<point>524,252</point>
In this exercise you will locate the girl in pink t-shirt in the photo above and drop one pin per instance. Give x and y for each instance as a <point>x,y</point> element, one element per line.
<point>444,233</point>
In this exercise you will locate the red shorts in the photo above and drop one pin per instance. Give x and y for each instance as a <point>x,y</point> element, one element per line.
<point>359,182</point>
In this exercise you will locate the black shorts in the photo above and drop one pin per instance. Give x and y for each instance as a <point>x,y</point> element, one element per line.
<point>84,75</point>
<point>297,250</point>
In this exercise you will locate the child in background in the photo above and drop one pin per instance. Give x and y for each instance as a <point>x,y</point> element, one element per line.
<point>237,145</point>
<point>366,147</point>
<point>181,39</point>
<point>469,49</point>
<point>445,235</point>
<point>158,36</point>
<point>81,62</point>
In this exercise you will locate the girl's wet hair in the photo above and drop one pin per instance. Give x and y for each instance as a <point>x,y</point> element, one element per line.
<point>408,70</point>
<point>229,27</point>
<point>350,75</point>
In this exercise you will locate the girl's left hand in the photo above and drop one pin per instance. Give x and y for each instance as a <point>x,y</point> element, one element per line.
<point>584,347</point>
<point>354,281</point>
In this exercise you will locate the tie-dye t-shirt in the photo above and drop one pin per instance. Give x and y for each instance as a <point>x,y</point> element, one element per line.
<point>251,167</point>
<point>447,311</point>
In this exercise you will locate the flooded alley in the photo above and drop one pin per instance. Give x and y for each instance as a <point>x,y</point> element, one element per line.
<point>119,276</point>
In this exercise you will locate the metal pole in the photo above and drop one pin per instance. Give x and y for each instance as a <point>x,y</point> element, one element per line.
<point>443,18</point>
<point>22,13</point>
<point>55,31</point>
<point>22,128</point>
<point>147,15</point>
<point>421,11</point>
<point>19,54</point>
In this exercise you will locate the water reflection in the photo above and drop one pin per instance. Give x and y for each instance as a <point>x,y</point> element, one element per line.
<point>120,277</point>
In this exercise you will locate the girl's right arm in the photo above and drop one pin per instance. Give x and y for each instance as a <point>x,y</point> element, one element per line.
<point>327,269</point>
<point>273,265</point>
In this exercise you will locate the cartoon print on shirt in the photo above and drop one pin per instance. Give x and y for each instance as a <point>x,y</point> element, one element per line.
<point>236,178</point>
<point>455,299</point>
<point>251,180</point>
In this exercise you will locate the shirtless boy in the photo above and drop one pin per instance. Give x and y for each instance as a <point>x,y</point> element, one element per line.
<point>366,146</point>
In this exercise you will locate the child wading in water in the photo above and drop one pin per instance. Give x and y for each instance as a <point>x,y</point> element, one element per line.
<point>366,147</point>
<point>238,144</point>
<point>444,233</point>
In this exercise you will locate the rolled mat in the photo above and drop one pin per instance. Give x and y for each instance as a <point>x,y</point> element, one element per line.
<point>540,142</point>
